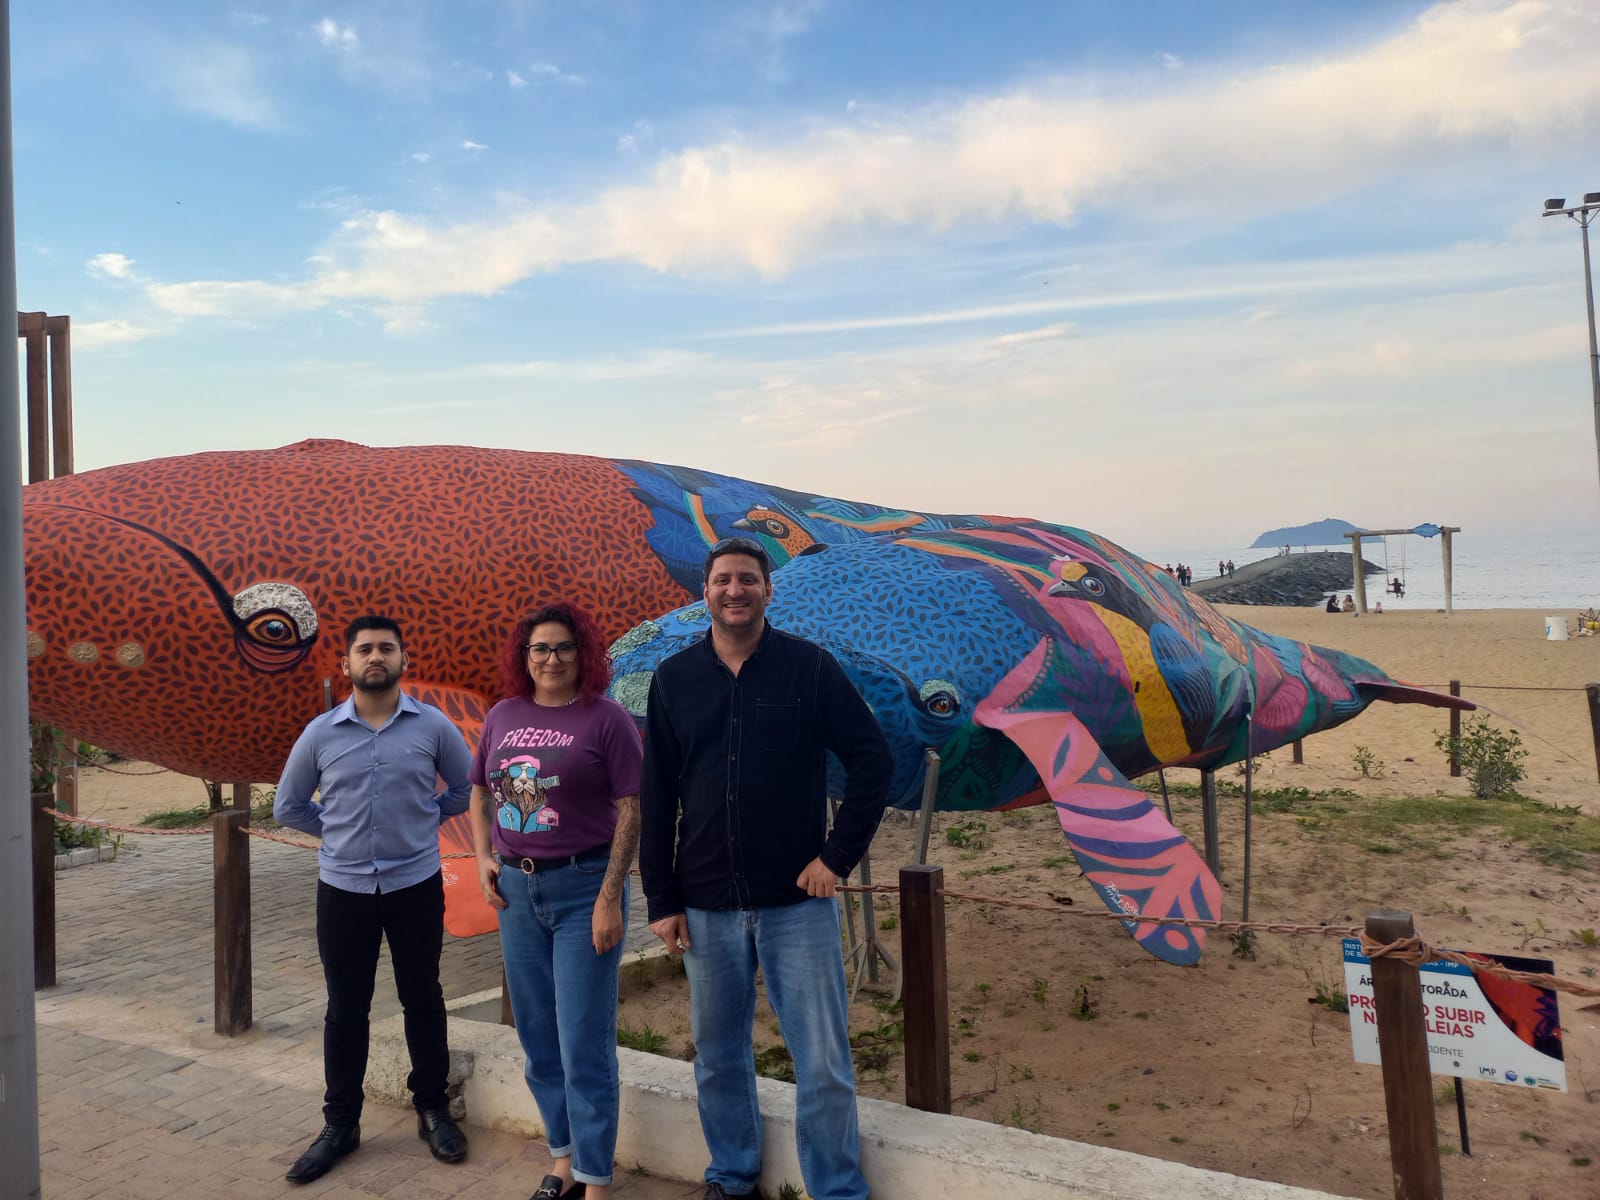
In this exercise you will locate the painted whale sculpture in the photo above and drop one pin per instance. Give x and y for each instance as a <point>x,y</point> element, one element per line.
<point>188,612</point>
<point>1045,663</point>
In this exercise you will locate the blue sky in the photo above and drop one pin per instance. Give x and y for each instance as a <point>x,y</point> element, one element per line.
<point>1177,273</point>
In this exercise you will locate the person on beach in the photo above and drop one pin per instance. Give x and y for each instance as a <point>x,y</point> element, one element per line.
<point>1397,587</point>
<point>375,759</point>
<point>555,834</point>
<point>1230,568</point>
<point>1333,603</point>
<point>739,869</point>
<point>1348,604</point>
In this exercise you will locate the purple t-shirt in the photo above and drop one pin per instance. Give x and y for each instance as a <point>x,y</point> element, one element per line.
<point>555,774</point>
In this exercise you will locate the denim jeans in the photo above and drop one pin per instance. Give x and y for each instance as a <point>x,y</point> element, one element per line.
<point>564,999</point>
<point>350,927</point>
<point>797,948</point>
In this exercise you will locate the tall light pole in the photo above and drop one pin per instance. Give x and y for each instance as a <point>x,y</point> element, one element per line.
<point>1582,214</point>
<point>19,1064</point>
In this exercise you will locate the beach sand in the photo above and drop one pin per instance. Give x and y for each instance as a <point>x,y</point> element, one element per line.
<point>1504,663</point>
<point>1230,1065</point>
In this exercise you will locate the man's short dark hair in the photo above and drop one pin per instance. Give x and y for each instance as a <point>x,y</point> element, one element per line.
<point>738,545</point>
<point>372,621</point>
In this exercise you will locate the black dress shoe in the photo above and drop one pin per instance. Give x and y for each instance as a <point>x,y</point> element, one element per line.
<point>444,1136</point>
<point>332,1144</point>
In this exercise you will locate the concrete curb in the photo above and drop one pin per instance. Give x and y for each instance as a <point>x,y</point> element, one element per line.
<point>84,855</point>
<point>904,1152</point>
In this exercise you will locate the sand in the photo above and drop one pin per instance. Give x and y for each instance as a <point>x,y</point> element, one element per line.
<point>1230,1065</point>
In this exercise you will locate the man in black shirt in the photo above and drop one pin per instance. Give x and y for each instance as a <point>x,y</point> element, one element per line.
<point>739,869</point>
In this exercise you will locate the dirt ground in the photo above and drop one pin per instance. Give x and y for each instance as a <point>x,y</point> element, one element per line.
<point>1232,1065</point>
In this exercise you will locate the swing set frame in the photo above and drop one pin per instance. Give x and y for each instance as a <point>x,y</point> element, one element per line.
<point>1355,536</point>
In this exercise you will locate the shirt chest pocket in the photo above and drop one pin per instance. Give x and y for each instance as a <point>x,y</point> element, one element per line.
<point>777,724</point>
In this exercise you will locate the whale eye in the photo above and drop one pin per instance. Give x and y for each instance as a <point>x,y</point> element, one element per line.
<point>1092,586</point>
<point>275,626</point>
<point>271,628</point>
<point>939,698</point>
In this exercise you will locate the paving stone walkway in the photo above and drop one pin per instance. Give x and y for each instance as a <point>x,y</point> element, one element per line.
<point>140,1100</point>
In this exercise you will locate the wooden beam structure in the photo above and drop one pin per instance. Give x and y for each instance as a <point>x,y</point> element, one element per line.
<point>1355,536</point>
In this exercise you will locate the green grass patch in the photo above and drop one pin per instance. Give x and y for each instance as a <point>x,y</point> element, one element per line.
<point>1559,836</point>
<point>644,1039</point>
<point>191,818</point>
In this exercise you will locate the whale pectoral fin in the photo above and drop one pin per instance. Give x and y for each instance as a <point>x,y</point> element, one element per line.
<point>1132,855</point>
<point>466,912</point>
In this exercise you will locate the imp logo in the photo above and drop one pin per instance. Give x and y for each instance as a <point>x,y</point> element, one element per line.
<point>1487,1072</point>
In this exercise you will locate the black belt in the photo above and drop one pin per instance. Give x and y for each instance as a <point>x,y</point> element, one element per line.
<point>529,866</point>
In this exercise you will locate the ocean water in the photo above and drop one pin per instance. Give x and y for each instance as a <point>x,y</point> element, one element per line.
<point>1560,573</point>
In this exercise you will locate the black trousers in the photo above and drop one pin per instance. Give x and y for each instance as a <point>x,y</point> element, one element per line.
<point>350,926</point>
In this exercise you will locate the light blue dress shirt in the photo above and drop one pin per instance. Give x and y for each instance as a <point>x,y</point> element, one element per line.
<point>380,810</point>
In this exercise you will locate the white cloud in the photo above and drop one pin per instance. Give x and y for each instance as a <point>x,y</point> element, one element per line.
<point>469,144</point>
<point>1461,77</point>
<point>1172,62</point>
<point>111,266</point>
<point>93,335</point>
<point>516,81</point>
<point>421,156</point>
<point>216,80</point>
<point>758,32</point>
<point>338,37</point>
<point>544,70</point>
<point>634,140</point>
<point>242,298</point>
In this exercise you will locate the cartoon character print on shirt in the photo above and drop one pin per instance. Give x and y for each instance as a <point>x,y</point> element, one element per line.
<point>522,795</point>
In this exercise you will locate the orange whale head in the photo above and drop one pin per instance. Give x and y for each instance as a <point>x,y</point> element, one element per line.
<point>189,611</point>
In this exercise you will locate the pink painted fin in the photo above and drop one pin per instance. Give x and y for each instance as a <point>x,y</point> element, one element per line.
<point>1132,855</point>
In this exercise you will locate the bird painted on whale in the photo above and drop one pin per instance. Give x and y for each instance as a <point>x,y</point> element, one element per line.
<point>187,611</point>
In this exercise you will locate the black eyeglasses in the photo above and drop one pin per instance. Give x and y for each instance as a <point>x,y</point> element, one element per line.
<point>565,652</point>
<point>740,545</point>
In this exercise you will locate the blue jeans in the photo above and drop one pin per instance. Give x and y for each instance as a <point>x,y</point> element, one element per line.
<point>561,987</point>
<point>797,948</point>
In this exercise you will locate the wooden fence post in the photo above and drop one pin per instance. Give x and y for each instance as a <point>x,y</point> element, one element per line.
<point>1208,821</point>
<point>1593,694</point>
<point>1299,752</point>
<point>44,892</point>
<point>927,1004</point>
<point>1407,1076</point>
<point>1455,732</point>
<point>231,920</point>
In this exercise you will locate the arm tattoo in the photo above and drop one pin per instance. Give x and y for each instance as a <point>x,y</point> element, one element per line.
<point>624,842</point>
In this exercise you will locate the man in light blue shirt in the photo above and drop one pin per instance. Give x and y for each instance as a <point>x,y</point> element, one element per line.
<point>376,759</point>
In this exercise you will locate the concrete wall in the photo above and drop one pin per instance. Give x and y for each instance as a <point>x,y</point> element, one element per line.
<point>905,1153</point>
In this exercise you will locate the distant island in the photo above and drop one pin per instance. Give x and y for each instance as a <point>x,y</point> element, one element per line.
<point>1328,532</point>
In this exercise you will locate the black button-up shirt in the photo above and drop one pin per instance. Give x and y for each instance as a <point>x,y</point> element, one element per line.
<point>734,799</point>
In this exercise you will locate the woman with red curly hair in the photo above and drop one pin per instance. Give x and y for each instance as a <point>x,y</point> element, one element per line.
<point>555,822</point>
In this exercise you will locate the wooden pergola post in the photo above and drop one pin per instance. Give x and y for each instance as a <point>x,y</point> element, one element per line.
<point>233,1001</point>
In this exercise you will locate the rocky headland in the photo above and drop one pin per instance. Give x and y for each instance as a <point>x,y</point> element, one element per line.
<point>1288,579</point>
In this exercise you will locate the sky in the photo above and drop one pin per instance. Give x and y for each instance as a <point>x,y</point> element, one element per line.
<point>1176,273</point>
